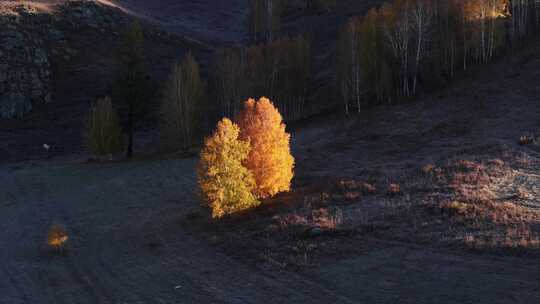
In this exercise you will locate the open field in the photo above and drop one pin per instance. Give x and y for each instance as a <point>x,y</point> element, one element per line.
<point>133,239</point>
<point>127,246</point>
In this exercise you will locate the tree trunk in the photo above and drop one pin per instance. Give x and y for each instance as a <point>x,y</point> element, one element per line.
<point>270,21</point>
<point>129,153</point>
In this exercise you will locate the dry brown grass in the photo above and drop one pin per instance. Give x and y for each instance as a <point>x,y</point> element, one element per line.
<point>526,140</point>
<point>316,198</point>
<point>472,210</point>
<point>474,204</point>
<point>393,189</point>
<point>327,218</point>
<point>428,168</point>
<point>518,238</point>
<point>368,188</point>
<point>465,203</point>
<point>355,185</point>
<point>306,218</point>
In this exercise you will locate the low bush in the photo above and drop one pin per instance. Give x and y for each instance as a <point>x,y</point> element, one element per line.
<point>57,237</point>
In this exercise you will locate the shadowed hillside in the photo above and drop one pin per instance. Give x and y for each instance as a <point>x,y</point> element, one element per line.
<point>395,157</point>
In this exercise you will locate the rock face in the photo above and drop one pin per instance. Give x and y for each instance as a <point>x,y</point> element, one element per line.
<point>51,49</point>
<point>24,68</point>
<point>33,39</point>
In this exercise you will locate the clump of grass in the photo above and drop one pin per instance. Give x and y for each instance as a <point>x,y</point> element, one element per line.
<point>351,196</point>
<point>348,184</point>
<point>352,190</point>
<point>368,188</point>
<point>523,194</point>
<point>517,238</point>
<point>497,162</point>
<point>454,207</point>
<point>393,189</point>
<point>317,198</point>
<point>526,140</point>
<point>468,194</point>
<point>428,169</point>
<point>328,219</point>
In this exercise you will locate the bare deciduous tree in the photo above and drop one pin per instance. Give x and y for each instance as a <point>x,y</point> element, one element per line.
<point>398,32</point>
<point>183,98</point>
<point>229,79</point>
<point>422,16</point>
<point>349,65</point>
<point>394,45</point>
<point>102,135</point>
<point>279,69</point>
<point>264,20</point>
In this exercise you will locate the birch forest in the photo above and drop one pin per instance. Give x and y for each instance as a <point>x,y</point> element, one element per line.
<point>385,56</point>
<point>395,50</point>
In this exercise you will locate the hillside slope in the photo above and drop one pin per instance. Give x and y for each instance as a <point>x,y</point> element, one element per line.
<point>76,42</point>
<point>133,239</point>
<point>213,22</point>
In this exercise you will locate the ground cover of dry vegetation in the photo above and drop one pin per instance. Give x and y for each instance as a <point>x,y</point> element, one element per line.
<point>453,176</point>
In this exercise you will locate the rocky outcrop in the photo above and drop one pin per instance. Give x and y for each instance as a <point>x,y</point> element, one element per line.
<point>24,67</point>
<point>58,49</point>
<point>30,40</point>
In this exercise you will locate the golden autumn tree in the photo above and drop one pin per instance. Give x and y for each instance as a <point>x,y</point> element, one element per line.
<point>270,159</point>
<point>226,185</point>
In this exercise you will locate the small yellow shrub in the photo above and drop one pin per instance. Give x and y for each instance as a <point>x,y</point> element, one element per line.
<point>270,159</point>
<point>226,185</point>
<point>57,237</point>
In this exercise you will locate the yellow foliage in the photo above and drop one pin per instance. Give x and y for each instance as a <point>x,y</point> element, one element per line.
<point>270,159</point>
<point>57,237</point>
<point>226,185</point>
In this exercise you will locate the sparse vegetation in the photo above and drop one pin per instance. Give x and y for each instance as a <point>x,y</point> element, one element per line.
<point>526,140</point>
<point>476,206</point>
<point>394,189</point>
